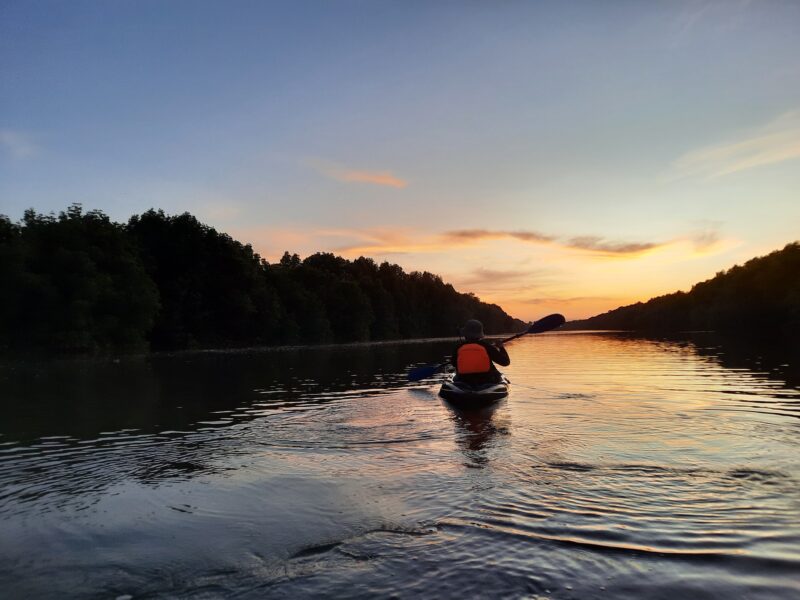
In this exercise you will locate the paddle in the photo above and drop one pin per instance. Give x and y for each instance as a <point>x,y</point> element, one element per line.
<point>544,324</point>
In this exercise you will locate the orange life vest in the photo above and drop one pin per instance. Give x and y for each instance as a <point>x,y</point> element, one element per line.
<point>473,358</point>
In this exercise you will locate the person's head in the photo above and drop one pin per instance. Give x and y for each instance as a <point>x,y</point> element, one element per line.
<point>472,330</point>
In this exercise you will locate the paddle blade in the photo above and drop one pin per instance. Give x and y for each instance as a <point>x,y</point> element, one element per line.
<point>547,323</point>
<point>420,373</point>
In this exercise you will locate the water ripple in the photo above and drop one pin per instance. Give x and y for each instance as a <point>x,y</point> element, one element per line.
<point>619,467</point>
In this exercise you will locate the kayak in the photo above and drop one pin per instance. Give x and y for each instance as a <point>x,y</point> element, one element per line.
<point>463,394</point>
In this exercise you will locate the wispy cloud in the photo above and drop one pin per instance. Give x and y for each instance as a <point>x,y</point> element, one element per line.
<point>387,241</point>
<point>391,241</point>
<point>382,243</point>
<point>594,243</point>
<point>715,15</point>
<point>589,243</point>
<point>774,142</point>
<point>378,178</point>
<point>348,175</point>
<point>705,239</point>
<point>690,16</point>
<point>502,276</point>
<point>481,275</point>
<point>563,300</point>
<point>472,235</point>
<point>598,249</point>
<point>18,144</point>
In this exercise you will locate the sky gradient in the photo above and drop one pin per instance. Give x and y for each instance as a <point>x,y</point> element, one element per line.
<point>547,156</point>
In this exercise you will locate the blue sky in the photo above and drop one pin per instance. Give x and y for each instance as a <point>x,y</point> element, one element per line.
<point>595,153</point>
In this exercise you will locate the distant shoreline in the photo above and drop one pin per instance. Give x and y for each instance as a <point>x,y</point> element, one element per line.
<point>111,357</point>
<point>170,282</point>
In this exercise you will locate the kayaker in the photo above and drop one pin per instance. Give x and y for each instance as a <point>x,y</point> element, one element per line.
<point>474,358</point>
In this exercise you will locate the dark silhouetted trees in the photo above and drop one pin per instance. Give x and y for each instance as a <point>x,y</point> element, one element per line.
<point>73,283</point>
<point>212,288</point>
<point>761,295</point>
<point>77,282</point>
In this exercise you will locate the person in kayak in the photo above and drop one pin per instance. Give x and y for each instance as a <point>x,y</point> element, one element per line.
<point>474,358</point>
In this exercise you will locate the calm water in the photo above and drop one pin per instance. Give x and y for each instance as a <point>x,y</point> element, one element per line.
<point>617,468</point>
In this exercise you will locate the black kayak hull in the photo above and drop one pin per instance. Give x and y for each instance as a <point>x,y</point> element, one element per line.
<point>464,395</point>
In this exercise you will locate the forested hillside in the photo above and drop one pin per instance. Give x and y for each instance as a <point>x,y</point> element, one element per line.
<point>78,282</point>
<point>761,295</point>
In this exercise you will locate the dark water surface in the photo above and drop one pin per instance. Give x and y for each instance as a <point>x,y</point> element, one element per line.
<point>618,468</point>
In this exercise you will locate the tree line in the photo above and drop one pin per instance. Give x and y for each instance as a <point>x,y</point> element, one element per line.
<point>763,295</point>
<point>78,282</point>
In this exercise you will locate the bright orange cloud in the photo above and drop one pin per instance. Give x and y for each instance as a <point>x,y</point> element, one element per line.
<point>377,178</point>
<point>346,174</point>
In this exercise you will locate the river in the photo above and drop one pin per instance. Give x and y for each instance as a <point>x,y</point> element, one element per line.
<point>619,467</point>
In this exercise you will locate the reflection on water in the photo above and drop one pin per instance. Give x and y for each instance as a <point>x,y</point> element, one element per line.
<point>618,467</point>
<point>476,431</point>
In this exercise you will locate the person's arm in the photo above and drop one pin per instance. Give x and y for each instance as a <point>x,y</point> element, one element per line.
<point>498,354</point>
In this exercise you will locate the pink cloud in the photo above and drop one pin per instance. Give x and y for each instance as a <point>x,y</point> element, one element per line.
<point>384,178</point>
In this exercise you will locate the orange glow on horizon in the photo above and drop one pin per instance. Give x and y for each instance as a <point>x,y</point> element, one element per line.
<point>527,278</point>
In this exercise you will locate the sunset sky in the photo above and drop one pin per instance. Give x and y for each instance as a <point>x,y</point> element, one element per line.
<point>547,156</point>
